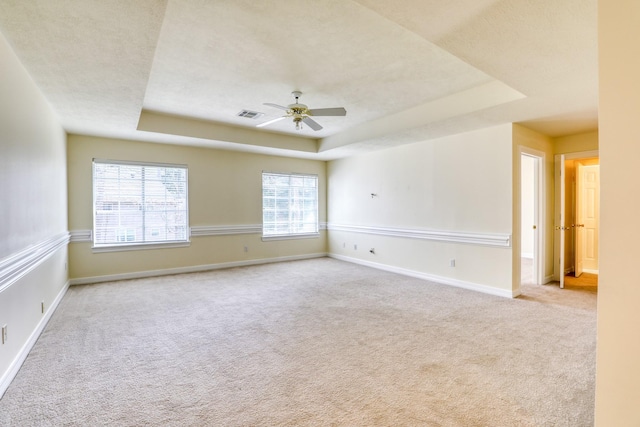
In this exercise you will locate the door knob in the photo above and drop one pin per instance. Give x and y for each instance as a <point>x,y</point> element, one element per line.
<point>535,227</point>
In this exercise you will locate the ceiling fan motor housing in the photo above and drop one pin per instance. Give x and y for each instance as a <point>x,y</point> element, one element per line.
<point>301,113</point>
<point>298,109</point>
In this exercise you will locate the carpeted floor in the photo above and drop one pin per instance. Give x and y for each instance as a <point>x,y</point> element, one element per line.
<point>308,343</point>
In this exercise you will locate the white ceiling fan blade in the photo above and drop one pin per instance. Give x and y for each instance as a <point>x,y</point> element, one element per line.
<point>338,111</point>
<point>311,123</point>
<point>271,121</point>
<point>276,106</point>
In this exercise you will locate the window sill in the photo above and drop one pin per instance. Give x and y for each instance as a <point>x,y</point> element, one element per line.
<point>290,236</point>
<point>139,246</point>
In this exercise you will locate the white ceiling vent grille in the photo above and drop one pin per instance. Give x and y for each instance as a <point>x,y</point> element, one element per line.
<point>250,114</point>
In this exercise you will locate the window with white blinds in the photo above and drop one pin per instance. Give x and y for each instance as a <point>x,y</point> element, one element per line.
<point>289,205</point>
<point>139,203</point>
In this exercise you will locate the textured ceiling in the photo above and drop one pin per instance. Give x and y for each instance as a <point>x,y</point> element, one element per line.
<point>180,71</point>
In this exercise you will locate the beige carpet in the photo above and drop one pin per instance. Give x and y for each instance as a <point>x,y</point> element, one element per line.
<point>308,343</point>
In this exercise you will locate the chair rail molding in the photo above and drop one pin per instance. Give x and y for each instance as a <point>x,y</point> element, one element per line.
<point>16,266</point>
<point>225,230</point>
<point>81,236</point>
<point>78,236</point>
<point>485,239</point>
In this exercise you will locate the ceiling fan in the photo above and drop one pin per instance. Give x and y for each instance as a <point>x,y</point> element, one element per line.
<point>300,113</point>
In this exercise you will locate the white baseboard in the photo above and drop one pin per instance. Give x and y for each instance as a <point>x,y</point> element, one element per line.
<point>588,270</point>
<point>190,269</point>
<point>15,366</point>
<point>548,279</point>
<point>432,277</point>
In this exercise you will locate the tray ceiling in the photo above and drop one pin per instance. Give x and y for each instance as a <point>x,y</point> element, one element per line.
<point>181,71</point>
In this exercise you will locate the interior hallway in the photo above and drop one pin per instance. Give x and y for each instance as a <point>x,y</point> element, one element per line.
<point>588,281</point>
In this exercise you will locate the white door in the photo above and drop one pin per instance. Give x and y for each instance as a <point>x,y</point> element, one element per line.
<point>529,217</point>
<point>579,225</point>
<point>532,199</point>
<point>590,208</point>
<point>560,215</point>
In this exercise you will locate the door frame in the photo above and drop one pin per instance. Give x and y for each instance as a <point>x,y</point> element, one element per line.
<point>559,217</point>
<point>539,209</point>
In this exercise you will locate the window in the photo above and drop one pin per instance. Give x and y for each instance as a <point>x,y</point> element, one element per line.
<point>139,204</point>
<point>289,205</point>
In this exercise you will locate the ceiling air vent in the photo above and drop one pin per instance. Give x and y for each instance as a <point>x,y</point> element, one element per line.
<point>250,114</point>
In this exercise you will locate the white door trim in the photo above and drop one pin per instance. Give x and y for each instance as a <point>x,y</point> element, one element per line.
<point>559,218</point>
<point>540,210</point>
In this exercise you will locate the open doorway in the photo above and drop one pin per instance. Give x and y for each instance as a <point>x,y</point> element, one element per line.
<point>582,183</point>
<point>531,211</point>
<point>578,219</point>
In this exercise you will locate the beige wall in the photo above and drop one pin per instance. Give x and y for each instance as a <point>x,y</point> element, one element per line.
<point>618,348</point>
<point>587,141</point>
<point>32,162</point>
<point>225,189</point>
<point>33,211</point>
<point>461,183</point>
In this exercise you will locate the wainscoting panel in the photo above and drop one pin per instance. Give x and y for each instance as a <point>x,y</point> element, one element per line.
<point>32,284</point>
<point>190,269</point>
<point>431,277</point>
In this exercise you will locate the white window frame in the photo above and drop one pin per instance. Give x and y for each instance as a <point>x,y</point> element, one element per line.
<point>291,234</point>
<point>121,240</point>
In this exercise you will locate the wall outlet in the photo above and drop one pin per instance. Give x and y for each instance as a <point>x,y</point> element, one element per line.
<point>4,334</point>
<point>355,247</point>
<point>246,248</point>
<point>452,262</point>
